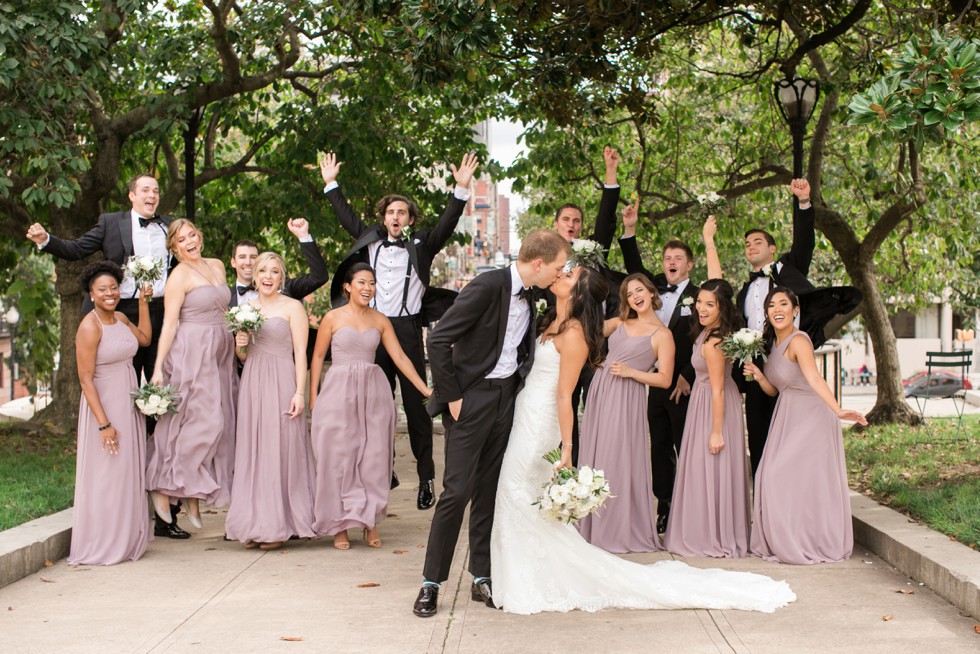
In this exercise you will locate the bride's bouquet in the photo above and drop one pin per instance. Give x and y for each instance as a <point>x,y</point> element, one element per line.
<point>744,345</point>
<point>244,318</point>
<point>572,493</point>
<point>707,204</point>
<point>144,270</point>
<point>587,253</point>
<point>153,400</point>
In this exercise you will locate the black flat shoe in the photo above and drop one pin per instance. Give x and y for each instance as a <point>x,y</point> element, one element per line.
<point>394,481</point>
<point>427,496</point>
<point>662,523</point>
<point>482,592</point>
<point>162,530</point>
<point>427,601</point>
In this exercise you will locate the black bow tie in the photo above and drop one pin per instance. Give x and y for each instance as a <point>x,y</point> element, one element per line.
<point>152,219</point>
<point>670,288</point>
<point>525,294</point>
<point>242,290</point>
<point>395,244</point>
<point>757,275</point>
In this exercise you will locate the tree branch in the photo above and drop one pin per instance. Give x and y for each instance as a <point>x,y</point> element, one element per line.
<point>857,12</point>
<point>230,65</point>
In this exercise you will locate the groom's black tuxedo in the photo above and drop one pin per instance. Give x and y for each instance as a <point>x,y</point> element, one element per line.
<point>464,347</point>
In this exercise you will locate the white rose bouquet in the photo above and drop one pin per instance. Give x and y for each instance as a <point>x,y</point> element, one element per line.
<point>572,493</point>
<point>153,400</point>
<point>708,204</point>
<point>587,253</point>
<point>744,345</point>
<point>144,270</point>
<point>244,318</point>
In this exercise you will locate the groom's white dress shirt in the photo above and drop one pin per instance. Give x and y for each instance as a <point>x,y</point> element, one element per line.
<point>518,319</point>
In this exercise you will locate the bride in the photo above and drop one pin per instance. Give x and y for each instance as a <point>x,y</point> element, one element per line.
<point>543,565</point>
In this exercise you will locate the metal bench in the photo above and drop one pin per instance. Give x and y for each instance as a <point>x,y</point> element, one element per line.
<point>961,362</point>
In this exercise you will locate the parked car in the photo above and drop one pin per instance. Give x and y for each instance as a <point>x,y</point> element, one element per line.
<point>913,377</point>
<point>938,384</point>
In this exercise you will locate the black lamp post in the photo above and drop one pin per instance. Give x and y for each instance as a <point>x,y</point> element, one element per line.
<point>796,99</point>
<point>12,317</point>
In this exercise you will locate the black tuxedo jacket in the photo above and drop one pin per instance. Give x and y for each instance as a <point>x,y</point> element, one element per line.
<point>112,235</point>
<point>422,247</point>
<point>466,343</point>
<point>300,287</point>
<point>679,325</point>
<point>817,305</point>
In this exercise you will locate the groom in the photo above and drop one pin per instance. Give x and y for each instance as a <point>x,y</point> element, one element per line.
<point>480,353</point>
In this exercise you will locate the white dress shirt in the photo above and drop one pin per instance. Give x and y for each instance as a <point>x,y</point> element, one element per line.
<point>147,241</point>
<point>248,295</point>
<point>518,319</point>
<point>669,302</point>
<point>755,298</point>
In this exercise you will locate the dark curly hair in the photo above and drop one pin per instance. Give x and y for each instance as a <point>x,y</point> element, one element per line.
<point>585,306</point>
<point>95,270</point>
<point>414,214</point>
<point>729,320</point>
<point>768,333</point>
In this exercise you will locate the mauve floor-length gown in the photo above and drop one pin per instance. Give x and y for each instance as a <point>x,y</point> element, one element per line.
<point>709,514</point>
<point>616,439</point>
<point>353,431</point>
<point>110,519</point>
<point>802,505</point>
<point>272,498</point>
<point>192,453</point>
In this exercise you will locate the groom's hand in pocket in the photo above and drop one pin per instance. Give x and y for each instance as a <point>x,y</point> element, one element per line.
<point>455,407</point>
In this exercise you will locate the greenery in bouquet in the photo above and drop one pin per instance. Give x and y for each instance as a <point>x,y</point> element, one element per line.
<point>154,400</point>
<point>244,318</point>
<point>708,204</point>
<point>144,269</point>
<point>572,493</point>
<point>587,253</point>
<point>744,345</point>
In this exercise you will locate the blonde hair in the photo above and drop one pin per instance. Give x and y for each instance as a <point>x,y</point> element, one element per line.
<point>266,257</point>
<point>175,227</point>
<point>544,244</point>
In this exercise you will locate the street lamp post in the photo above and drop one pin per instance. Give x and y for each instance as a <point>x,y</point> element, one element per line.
<point>796,99</point>
<point>12,317</point>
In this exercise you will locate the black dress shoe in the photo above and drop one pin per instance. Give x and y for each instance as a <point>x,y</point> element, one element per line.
<point>394,481</point>
<point>427,496</point>
<point>482,592</point>
<point>162,530</point>
<point>662,523</point>
<point>427,601</point>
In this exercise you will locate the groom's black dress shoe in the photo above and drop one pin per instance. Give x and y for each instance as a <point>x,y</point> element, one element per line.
<point>162,530</point>
<point>394,481</point>
<point>661,523</point>
<point>482,592</point>
<point>427,496</point>
<point>427,601</point>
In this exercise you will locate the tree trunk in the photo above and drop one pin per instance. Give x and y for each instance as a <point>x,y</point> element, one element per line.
<point>891,406</point>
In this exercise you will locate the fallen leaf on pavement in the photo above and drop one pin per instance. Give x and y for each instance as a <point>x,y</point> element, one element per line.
<point>976,627</point>
<point>47,564</point>
<point>370,585</point>
<point>905,591</point>
<point>887,618</point>
<point>420,546</point>
<point>400,551</point>
<point>210,549</point>
<point>392,515</point>
<point>47,581</point>
<point>292,639</point>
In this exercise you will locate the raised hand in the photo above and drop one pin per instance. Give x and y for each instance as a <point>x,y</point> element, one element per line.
<point>300,227</point>
<point>37,233</point>
<point>631,214</point>
<point>611,157</point>
<point>709,230</point>
<point>801,189</point>
<point>464,174</point>
<point>329,167</point>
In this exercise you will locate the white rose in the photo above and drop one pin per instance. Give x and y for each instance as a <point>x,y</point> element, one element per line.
<point>702,198</point>
<point>585,475</point>
<point>164,404</point>
<point>154,400</point>
<point>141,405</point>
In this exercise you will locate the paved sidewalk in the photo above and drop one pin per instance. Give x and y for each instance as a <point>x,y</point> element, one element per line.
<point>207,595</point>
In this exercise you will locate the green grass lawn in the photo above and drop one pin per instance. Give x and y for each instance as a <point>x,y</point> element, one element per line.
<point>922,472</point>
<point>37,473</point>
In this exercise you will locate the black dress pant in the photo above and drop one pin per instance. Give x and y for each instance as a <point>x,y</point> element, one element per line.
<point>666,420</point>
<point>759,408</point>
<point>579,395</point>
<point>408,329</point>
<point>475,446</point>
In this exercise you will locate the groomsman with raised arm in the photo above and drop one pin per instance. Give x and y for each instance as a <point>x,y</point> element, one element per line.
<point>667,407</point>
<point>402,264</point>
<point>137,231</point>
<point>245,252</point>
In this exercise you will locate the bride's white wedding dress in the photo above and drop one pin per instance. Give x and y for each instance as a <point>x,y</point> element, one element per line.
<point>540,564</point>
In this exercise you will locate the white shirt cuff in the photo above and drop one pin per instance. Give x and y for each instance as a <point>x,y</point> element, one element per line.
<point>305,239</point>
<point>47,239</point>
<point>331,186</point>
<point>610,186</point>
<point>461,193</point>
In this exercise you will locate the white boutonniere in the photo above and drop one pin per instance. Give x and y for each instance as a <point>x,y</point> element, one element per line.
<point>687,301</point>
<point>541,307</point>
<point>771,269</point>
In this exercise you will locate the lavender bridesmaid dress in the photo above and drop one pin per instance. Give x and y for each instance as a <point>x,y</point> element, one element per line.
<point>110,521</point>
<point>272,498</point>
<point>353,431</point>
<point>616,439</point>
<point>192,452</point>
<point>802,508</point>
<point>709,514</point>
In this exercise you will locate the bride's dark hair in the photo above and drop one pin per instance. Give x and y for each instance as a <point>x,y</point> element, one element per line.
<point>585,306</point>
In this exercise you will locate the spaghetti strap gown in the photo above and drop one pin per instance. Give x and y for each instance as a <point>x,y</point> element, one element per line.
<point>353,431</point>
<point>802,503</point>
<point>110,520</point>
<point>616,439</point>
<point>709,513</point>
<point>272,498</point>
<point>192,453</point>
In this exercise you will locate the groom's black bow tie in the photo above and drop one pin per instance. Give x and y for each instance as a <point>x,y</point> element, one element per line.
<point>152,219</point>
<point>396,244</point>
<point>757,275</point>
<point>242,290</point>
<point>669,288</point>
<point>525,294</point>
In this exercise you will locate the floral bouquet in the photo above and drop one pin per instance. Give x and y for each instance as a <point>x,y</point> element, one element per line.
<point>572,493</point>
<point>244,318</point>
<point>587,253</point>
<point>144,270</point>
<point>708,204</point>
<point>153,400</point>
<point>744,345</point>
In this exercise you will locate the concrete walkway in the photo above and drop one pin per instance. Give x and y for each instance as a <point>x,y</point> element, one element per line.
<point>207,595</point>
